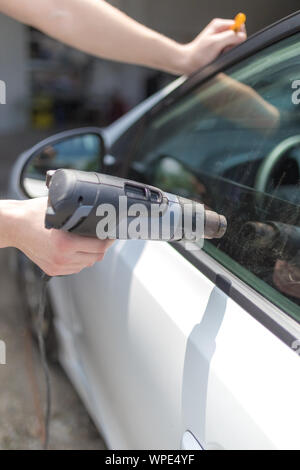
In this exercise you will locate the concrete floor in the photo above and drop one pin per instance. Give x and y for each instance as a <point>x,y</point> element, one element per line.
<point>22,395</point>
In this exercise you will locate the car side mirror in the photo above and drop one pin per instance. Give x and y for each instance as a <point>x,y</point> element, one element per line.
<point>81,149</point>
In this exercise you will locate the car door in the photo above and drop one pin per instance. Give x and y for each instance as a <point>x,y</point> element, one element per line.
<point>205,342</point>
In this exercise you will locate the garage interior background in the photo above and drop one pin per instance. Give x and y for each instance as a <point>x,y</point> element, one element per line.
<point>53,86</point>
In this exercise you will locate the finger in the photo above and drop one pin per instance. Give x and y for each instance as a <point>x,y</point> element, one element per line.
<point>109,243</point>
<point>243,29</point>
<point>86,259</point>
<point>228,39</point>
<point>219,25</point>
<point>241,39</point>
<point>90,245</point>
<point>242,36</point>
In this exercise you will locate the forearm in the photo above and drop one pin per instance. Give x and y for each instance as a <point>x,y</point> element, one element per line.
<point>97,28</point>
<point>9,223</point>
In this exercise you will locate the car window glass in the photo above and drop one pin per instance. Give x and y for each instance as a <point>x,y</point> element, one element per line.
<point>234,144</point>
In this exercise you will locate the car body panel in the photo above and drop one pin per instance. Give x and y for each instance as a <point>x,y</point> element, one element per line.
<point>163,356</point>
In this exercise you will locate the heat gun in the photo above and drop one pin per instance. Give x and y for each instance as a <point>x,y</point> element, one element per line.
<point>98,205</point>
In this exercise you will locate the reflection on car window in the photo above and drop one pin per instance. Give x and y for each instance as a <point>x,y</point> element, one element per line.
<point>234,144</point>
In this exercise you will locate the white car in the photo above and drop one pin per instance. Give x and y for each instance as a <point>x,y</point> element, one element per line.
<point>176,349</point>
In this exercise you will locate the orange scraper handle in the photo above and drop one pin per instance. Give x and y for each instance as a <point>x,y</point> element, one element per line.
<point>239,21</point>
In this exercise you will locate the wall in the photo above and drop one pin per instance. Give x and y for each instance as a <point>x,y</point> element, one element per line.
<point>182,19</point>
<point>13,59</point>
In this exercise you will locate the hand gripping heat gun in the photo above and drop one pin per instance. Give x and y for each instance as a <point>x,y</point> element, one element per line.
<point>98,205</point>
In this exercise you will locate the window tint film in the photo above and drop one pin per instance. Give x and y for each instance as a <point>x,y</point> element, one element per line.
<point>234,144</point>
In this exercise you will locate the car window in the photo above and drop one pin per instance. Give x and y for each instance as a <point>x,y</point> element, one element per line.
<point>234,144</point>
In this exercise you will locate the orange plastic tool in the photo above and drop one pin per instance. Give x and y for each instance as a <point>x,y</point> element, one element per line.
<point>239,21</point>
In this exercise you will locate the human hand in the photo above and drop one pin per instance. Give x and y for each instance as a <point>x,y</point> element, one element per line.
<point>216,38</point>
<point>54,251</point>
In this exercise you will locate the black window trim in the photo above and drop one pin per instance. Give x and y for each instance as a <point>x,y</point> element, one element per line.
<point>265,312</point>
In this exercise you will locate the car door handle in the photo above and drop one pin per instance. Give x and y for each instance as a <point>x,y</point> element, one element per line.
<point>189,442</point>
